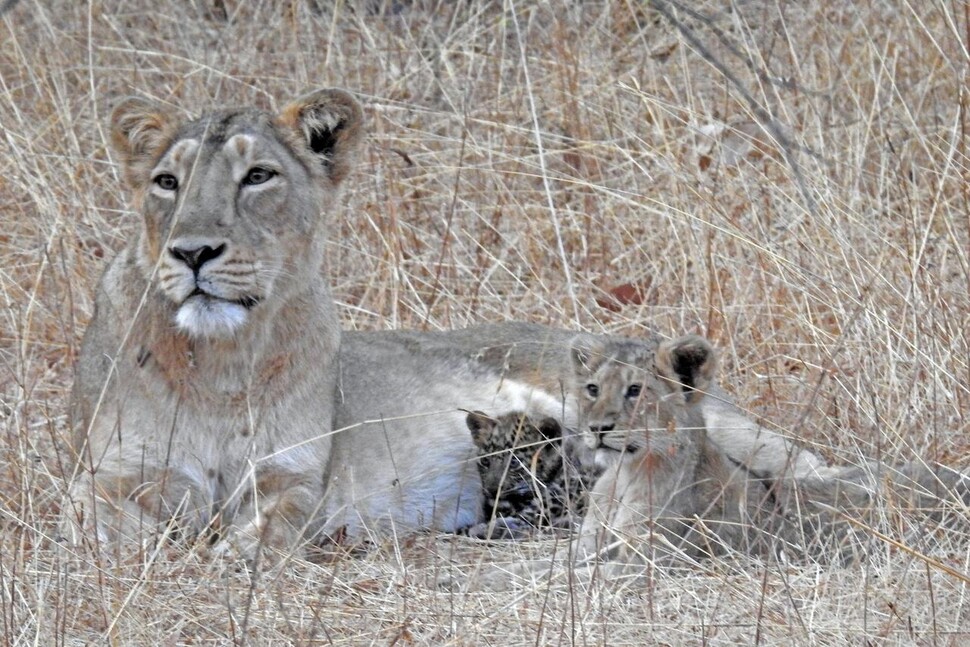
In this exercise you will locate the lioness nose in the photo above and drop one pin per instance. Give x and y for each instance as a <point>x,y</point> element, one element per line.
<point>602,428</point>
<point>196,257</point>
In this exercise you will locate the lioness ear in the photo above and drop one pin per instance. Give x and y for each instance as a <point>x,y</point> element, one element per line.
<point>480,425</point>
<point>586,353</point>
<point>688,361</point>
<point>140,129</point>
<point>330,124</point>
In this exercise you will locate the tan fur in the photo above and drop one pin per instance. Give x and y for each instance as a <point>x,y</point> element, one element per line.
<point>543,358</point>
<point>203,390</point>
<point>666,488</point>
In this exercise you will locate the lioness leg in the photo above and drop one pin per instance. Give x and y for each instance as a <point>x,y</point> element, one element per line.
<point>136,506</point>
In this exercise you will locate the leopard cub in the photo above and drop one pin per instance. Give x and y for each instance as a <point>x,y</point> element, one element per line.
<point>528,477</point>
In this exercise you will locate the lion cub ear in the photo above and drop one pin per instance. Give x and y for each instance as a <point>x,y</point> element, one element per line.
<point>689,362</point>
<point>140,130</point>
<point>481,426</point>
<point>586,353</point>
<point>330,123</point>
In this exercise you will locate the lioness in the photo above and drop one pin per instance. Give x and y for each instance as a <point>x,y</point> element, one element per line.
<point>203,392</point>
<point>205,388</point>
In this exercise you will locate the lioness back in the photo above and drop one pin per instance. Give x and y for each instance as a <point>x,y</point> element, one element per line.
<point>541,356</point>
<point>204,384</point>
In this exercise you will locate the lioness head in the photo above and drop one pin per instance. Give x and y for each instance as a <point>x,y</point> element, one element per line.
<point>629,389</point>
<point>233,201</point>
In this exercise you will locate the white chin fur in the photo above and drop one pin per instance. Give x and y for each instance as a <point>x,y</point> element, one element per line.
<point>204,317</point>
<point>605,458</point>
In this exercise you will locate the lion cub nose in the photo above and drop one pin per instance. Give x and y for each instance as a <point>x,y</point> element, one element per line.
<point>196,257</point>
<point>602,428</point>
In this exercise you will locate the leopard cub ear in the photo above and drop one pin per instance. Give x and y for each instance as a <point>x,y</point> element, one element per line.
<point>330,124</point>
<point>689,362</point>
<point>481,426</point>
<point>550,428</point>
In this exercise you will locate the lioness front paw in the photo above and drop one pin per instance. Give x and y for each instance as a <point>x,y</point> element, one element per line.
<point>258,543</point>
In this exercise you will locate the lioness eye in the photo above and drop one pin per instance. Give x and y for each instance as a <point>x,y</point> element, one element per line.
<point>593,390</point>
<point>633,391</point>
<point>258,175</point>
<point>166,181</point>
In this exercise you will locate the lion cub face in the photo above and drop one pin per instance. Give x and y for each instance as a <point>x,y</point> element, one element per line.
<point>629,390</point>
<point>232,201</point>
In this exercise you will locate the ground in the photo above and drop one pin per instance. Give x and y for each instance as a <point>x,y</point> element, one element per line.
<point>787,179</point>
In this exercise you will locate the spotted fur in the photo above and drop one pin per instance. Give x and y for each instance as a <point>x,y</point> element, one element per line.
<point>529,480</point>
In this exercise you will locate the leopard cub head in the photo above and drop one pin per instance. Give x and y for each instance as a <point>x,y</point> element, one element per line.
<point>515,449</point>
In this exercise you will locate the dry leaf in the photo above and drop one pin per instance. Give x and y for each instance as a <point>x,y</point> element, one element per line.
<point>613,299</point>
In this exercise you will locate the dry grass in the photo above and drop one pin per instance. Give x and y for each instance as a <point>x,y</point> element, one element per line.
<point>789,179</point>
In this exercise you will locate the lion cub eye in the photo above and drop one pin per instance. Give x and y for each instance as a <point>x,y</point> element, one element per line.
<point>593,390</point>
<point>633,391</point>
<point>258,175</point>
<point>166,181</point>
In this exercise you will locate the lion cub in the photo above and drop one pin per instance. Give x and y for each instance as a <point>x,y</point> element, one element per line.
<point>529,478</point>
<point>665,487</point>
<point>669,490</point>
